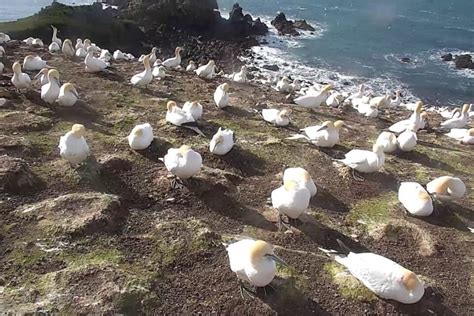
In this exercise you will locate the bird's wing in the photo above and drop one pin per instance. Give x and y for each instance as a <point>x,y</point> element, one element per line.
<point>457,133</point>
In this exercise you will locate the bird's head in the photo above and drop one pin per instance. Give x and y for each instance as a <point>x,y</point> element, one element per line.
<point>326,125</point>
<point>16,67</point>
<point>423,195</point>
<point>338,124</point>
<point>211,62</point>
<point>70,87</point>
<point>377,148</point>
<point>465,108</point>
<point>178,50</point>
<point>146,61</point>
<point>183,150</point>
<point>137,131</point>
<point>327,88</point>
<point>409,280</point>
<point>42,72</point>
<point>471,132</point>
<point>419,107</point>
<point>262,250</point>
<point>171,105</point>
<point>304,175</point>
<point>194,104</point>
<point>192,62</point>
<point>290,185</point>
<point>78,130</point>
<point>28,58</point>
<point>53,74</point>
<point>285,113</point>
<point>225,87</point>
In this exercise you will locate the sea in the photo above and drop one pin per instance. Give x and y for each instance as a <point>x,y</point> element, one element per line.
<point>357,41</point>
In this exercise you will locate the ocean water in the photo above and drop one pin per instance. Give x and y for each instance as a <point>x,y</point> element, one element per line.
<point>358,41</point>
<point>364,40</point>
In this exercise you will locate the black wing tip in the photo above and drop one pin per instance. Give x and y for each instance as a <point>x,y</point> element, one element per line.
<point>345,249</point>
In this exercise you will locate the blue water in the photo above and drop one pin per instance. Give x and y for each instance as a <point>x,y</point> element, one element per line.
<point>367,38</point>
<point>362,39</point>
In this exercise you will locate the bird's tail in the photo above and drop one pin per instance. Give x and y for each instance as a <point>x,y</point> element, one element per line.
<point>343,251</point>
<point>298,136</point>
<point>195,129</point>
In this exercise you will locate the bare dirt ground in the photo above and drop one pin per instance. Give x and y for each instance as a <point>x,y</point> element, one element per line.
<point>121,240</point>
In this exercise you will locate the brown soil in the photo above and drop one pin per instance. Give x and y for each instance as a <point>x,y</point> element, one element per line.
<point>166,256</point>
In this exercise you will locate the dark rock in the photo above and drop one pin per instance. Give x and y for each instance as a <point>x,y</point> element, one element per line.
<point>405,60</point>
<point>447,57</point>
<point>303,25</point>
<point>252,68</point>
<point>284,26</point>
<point>16,176</point>
<point>271,67</point>
<point>240,24</point>
<point>464,61</point>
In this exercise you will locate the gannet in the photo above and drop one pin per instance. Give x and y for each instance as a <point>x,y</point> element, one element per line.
<point>241,76</point>
<point>312,100</point>
<point>20,80</point>
<point>183,162</point>
<point>381,101</point>
<point>118,55</point>
<point>194,108</point>
<point>191,66</point>
<point>381,275</point>
<point>141,137</point>
<point>87,44</point>
<point>175,61</point>
<point>291,200</point>
<point>253,261</point>
<point>37,42</point>
<point>94,64</point>
<point>465,136</point>
<point>395,102</point>
<point>301,177</point>
<point>283,85</point>
<point>324,135</point>
<point>207,71</point>
<point>458,122</point>
<point>151,55</point>
<point>55,38</point>
<point>407,140</point>
<point>359,94</point>
<point>50,91</point>
<point>277,117</point>
<point>159,72</point>
<point>68,95</point>
<point>28,41</point>
<point>295,85</point>
<point>73,147</point>
<point>176,115</point>
<point>43,74</point>
<point>415,119</point>
<point>368,110</point>
<point>33,63</point>
<point>68,49</point>
<point>145,77</point>
<point>54,47</point>
<point>81,52</point>
<point>415,199</point>
<point>358,101</point>
<point>2,51</point>
<point>388,141</point>
<point>4,38</point>
<point>105,55</point>
<point>335,99</point>
<point>222,142</point>
<point>365,161</point>
<point>446,188</point>
<point>79,44</point>
<point>221,97</point>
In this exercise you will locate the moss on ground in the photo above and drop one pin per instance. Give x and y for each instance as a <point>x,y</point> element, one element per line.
<point>373,212</point>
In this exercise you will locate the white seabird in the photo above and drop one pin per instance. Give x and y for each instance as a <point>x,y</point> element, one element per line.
<point>68,95</point>
<point>141,137</point>
<point>415,199</point>
<point>50,91</point>
<point>221,96</point>
<point>222,142</point>
<point>73,147</point>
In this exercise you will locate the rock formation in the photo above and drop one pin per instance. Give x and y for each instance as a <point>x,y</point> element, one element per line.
<point>284,26</point>
<point>464,61</point>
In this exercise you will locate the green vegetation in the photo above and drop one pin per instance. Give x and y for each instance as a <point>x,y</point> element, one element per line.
<point>373,212</point>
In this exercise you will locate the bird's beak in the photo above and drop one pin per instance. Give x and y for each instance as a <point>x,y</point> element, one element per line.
<point>322,128</point>
<point>277,259</point>
<point>75,93</point>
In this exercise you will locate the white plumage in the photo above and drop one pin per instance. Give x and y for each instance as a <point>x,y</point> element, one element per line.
<point>447,188</point>
<point>463,135</point>
<point>68,95</point>
<point>145,77</point>
<point>415,199</point>
<point>193,108</point>
<point>183,162</point>
<point>177,116</point>
<point>207,71</point>
<point>175,61</point>
<point>291,199</point>
<point>20,80</point>
<point>73,147</point>
<point>325,135</point>
<point>277,117</point>
<point>50,91</point>
<point>221,97</point>
<point>388,141</point>
<point>301,177</point>
<point>313,100</point>
<point>365,161</point>
<point>33,63</point>
<point>407,140</point>
<point>141,137</point>
<point>222,142</point>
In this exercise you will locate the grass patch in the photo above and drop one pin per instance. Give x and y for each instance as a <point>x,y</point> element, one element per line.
<point>374,211</point>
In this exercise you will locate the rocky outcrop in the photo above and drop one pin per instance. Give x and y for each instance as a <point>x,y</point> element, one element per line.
<point>303,25</point>
<point>284,26</point>
<point>77,213</point>
<point>101,26</point>
<point>288,27</point>
<point>16,176</point>
<point>245,24</point>
<point>464,61</point>
<point>447,57</point>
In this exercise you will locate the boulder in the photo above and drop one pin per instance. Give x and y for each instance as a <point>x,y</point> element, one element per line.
<point>77,213</point>
<point>16,176</point>
<point>284,26</point>
<point>271,67</point>
<point>244,24</point>
<point>405,60</point>
<point>303,25</point>
<point>464,61</point>
<point>447,57</point>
